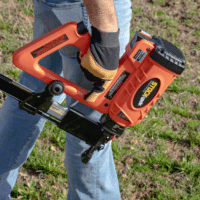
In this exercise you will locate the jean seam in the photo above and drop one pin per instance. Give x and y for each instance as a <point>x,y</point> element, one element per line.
<point>97,182</point>
<point>85,16</point>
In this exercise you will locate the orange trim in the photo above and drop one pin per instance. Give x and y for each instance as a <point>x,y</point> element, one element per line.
<point>28,56</point>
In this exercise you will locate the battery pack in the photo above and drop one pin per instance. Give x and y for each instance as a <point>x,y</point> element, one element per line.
<point>148,67</point>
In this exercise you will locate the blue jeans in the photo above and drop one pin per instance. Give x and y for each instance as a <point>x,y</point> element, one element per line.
<point>20,130</point>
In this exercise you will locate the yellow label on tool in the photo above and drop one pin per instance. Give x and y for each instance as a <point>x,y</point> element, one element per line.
<point>150,89</point>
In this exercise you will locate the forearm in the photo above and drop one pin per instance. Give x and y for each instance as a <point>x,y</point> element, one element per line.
<point>102,14</point>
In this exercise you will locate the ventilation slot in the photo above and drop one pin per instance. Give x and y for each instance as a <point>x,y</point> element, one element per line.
<point>140,55</point>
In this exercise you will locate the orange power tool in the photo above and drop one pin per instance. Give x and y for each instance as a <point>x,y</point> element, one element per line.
<point>146,69</point>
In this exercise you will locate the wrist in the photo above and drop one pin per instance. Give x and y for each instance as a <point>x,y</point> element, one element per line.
<point>102,14</point>
<point>105,25</point>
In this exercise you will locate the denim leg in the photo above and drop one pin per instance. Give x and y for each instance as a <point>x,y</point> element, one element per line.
<point>20,130</point>
<point>98,178</point>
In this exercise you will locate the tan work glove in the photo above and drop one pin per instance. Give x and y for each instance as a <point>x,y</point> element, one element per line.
<point>101,62</point>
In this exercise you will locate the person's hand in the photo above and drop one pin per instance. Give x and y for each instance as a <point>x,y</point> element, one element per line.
<point>101,62</point>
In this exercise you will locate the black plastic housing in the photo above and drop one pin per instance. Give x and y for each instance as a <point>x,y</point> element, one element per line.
<point>165,53</point>
<point>168,55</point>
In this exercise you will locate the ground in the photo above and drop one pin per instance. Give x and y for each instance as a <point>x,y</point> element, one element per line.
<point>157,159</point>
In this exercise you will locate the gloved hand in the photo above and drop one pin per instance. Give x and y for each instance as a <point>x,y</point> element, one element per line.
<point>101,62</point>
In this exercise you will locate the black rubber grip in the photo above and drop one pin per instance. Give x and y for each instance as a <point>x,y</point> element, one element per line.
<point>81,28</point>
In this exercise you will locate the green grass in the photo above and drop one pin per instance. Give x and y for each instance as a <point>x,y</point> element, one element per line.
<point>157,2</point>
<point>156,159</point>
<point>197,33</point>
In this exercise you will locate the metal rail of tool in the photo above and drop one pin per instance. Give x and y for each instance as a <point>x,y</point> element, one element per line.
<point>65,118</point>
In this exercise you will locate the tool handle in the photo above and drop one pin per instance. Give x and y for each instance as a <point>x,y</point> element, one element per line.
<point>27,57</point>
